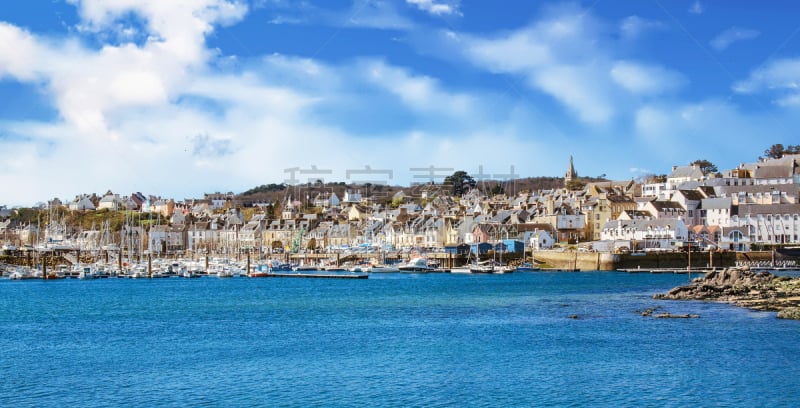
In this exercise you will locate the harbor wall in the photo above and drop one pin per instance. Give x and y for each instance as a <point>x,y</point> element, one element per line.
<point>603,261</point>
<point>585,261</point>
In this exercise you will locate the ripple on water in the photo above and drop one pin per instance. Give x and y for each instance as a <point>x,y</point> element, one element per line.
<point>397,340</point>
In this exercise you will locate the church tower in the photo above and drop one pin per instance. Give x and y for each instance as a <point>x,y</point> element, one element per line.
<point>571,174</point>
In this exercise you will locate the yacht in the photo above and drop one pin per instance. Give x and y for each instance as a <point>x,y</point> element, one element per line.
<point>415,265</point>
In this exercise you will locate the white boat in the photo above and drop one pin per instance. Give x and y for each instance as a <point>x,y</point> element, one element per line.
<point>22,272</point>
<point>417,264</point>
<point>224,273</point>
<point>490,267</point>
<point>384,269</point>
<point>86,273</point>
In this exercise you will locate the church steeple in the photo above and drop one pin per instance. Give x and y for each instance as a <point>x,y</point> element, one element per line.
<point>571,174</point>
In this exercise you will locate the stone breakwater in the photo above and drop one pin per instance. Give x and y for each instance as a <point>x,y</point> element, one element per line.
<point>745,288</point>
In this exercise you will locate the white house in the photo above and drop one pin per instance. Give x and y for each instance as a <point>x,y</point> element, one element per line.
<point>111,202</point>
<point>683,174</point>
<point>352,197</point>
<point>201,235</point>
<point>769,224</point>
<point>539,239</point>
<point>716,211</point>
<point>81,203</point>
<point>654,233</point>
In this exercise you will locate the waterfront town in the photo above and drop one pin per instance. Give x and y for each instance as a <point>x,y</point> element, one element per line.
<point>753,207</point>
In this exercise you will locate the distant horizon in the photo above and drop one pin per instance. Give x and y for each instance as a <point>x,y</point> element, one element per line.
<point>189,96</point>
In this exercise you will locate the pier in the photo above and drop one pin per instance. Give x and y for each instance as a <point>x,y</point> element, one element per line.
<point>310,276</point>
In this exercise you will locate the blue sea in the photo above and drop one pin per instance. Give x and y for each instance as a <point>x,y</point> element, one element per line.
<point>392,340</point>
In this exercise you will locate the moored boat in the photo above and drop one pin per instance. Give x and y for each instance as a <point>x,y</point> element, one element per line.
<point>527,267</point>
<point>415,265</point>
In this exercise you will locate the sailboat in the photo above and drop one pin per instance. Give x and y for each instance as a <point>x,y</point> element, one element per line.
<point>528,266</point>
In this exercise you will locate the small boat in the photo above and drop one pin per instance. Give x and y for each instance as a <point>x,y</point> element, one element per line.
<point>415,265</point>
<point>527,267</point>
<point>259,274</point>
<point>223,272</point>
<point>86,273</point>
<point>380,268</point>
<point>490,267</point>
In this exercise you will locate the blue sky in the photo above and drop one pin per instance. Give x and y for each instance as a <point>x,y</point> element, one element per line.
<point>177,98</point>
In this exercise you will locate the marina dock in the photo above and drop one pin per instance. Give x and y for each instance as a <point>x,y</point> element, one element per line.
<point>310,275</point>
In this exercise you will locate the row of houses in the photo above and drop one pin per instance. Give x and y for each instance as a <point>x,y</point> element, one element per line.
<point>757,203</point>
<point>754,204</point>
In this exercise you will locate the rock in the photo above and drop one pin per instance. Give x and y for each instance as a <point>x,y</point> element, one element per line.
<point>650,311</point>
<point>743,287</point>
<point>676,316</point>
<point>792,313</point>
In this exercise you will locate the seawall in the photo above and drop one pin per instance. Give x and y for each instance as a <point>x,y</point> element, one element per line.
<point>603,261</point>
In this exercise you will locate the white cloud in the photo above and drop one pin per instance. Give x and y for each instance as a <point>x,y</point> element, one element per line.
<point>576,88</point>
<point>696,8</point>
<point>724,39</point>
<point>377,14</point>
<point>145,118</point>
<point>558,55</point>
<point>633,27</point>
<point>570,56</point>
<point>519,51</point>
<point>420,93</point>
<point>710,129</point>
<point>645,79</point>
<point>780,77</point>
<point>20,54</point>
<point>373,14</point>
<point>280,19</point>
<point>434,7</point>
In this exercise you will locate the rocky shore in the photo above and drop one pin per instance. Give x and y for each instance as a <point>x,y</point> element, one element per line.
<point>745,288</point>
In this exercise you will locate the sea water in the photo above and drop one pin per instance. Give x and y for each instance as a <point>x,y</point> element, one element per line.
<point>524,339</point>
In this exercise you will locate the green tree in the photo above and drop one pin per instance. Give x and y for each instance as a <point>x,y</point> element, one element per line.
<point>705,166</point>
<point>497,189</point>
<point>575,185</point>
<point>777,150</point>
<point>460,181</point>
